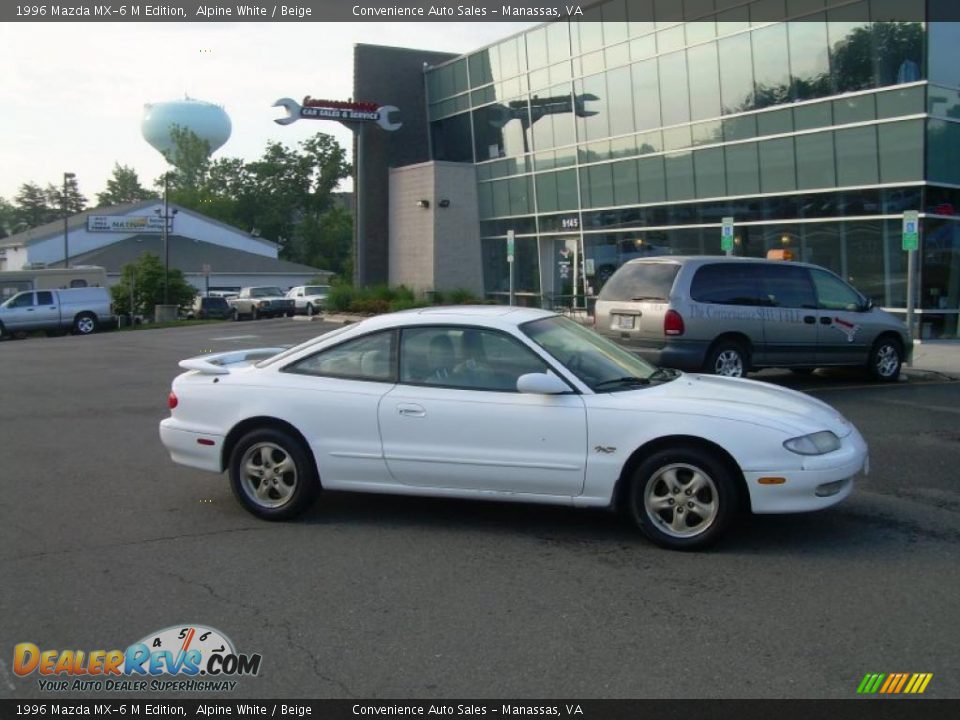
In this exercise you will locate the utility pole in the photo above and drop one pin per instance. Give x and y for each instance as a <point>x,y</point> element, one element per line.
<point>67,176</point>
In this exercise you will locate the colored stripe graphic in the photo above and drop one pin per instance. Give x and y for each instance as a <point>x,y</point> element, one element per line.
<point>894,683</point>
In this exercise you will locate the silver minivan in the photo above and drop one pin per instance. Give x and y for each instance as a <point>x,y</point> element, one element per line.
<point>727,315</point>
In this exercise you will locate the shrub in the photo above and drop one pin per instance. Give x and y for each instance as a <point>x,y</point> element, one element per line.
<point>462,297</point>
<point>341,297</point>
<point>369,305</point>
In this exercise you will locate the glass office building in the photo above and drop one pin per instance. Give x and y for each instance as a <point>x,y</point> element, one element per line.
<point>813,123</point>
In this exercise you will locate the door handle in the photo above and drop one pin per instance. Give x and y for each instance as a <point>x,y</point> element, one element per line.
<point>809,319</point>
<point>411,410</point>
<point>825,321</point>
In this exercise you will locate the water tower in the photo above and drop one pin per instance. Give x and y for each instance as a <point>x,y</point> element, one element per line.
<point>207,121</point>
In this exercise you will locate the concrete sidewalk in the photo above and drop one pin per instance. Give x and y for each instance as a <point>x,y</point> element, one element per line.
<point>939,356</point>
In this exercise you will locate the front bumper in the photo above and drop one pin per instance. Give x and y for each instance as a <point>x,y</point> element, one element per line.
<point>185,446</point>
<point>824,480</point>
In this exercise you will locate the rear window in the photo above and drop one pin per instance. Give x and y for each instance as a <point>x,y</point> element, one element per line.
<point>728,284</point>
<point>641,281</point>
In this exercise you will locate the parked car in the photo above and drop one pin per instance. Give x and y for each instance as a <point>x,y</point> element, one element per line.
<point>210,308</point>
<point>257,302</point>
<point>727,315</point>
<point>309,299</point>
<point>493,402</point>
<point>82,310</point>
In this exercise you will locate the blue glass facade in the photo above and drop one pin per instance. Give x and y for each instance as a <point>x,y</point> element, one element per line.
<point>814,124</point>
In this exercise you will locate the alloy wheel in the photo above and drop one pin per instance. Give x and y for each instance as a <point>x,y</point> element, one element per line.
<point>681,500</point>
<point>268,475</point>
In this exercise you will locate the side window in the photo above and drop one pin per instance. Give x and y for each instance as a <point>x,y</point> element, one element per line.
<point>465,358</point>
<point>78,284</point>
<point>44,298</point>
<point>788,286</point>
<point>370,357</point>
<point>727,284</point>
<point>21,301</point>
<point>833,293</point>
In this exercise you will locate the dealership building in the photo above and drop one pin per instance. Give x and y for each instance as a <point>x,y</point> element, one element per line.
<point>814,124</point>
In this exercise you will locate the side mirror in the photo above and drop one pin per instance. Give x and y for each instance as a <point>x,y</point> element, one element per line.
<point>541,384</point>
<point>867,305</point>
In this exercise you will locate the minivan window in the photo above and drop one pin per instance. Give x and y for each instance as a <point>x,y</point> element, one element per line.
<point>727,284</point>
<point>641,281</point>
<point>787,286</point>
<point>834,294</point>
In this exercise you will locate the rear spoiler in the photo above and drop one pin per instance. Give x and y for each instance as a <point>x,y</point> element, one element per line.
<point>218,363</point>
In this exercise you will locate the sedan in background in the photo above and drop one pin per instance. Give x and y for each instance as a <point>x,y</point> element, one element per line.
<point>511,404</point>
<point>309,299</point>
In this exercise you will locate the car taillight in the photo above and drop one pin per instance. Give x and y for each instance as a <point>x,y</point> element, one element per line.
<point>673,323</point>
<point>172,400</point>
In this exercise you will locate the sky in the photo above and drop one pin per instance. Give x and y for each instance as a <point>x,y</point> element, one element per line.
<point>73,94</point>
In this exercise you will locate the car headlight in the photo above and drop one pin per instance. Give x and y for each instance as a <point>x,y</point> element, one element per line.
<point>264,303</point>
<point>818,443</point>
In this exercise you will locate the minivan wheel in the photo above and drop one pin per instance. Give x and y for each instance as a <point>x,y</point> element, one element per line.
<point>682,498</point>
<point>886,358</point>
<point>727,358</point>
<point>272,475</point>
<point>84,324</point>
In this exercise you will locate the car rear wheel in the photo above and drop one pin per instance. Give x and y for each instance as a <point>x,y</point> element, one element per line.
<point>727,358</point>
<point>84,324</point>
<point>886,359</point>
<point>272,475</point>
<point>682,498</point>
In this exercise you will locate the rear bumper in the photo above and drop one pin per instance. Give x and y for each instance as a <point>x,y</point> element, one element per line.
<point>185,447</point>
<point>680,354</point>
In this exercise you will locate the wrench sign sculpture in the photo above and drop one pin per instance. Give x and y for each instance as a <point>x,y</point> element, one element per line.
<point>341,112</point>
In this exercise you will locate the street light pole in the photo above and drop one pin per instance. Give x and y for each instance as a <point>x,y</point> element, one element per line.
<point>166,244</point>
<point>67,176</point>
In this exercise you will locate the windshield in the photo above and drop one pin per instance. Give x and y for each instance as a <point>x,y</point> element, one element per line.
<point>601,364</point>
<point>316,290</point>
<point>266,292</point>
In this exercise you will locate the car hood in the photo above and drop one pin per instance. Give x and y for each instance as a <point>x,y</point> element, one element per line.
<point>737,399</point>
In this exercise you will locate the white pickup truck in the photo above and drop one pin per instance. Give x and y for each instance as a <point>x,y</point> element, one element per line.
<point>81,310</point>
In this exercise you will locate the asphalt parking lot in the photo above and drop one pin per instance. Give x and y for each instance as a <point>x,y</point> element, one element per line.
<point>106,540</point>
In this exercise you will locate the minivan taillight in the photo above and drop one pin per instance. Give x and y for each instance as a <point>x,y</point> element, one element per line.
<point>172,400</point>
<point>673,323</point>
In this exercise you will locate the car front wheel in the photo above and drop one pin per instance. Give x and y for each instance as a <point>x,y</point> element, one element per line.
<point>682,498</point>
<point>886,358</point>
<point>272,475</point>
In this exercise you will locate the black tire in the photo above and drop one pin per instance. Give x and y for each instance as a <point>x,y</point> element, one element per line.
<point>303,485</point>
<point>290,313</point>
<point>254,314</point>
<point>309,311</point>
<point>85,324</point>
<point>885,360</point>
<point>718,495</point>
<point>728,358</point>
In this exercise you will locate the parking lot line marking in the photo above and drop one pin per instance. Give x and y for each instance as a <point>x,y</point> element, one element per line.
<point>236,337</point>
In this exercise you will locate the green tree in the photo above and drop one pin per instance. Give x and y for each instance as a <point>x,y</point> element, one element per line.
<point>8,218</point>
<point>146,278</point>
<point>123,188</point>
<point>284,196</point>
<point>67,195</point>
<point>32,207</point>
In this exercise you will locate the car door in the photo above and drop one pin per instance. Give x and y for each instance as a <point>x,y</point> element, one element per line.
<point>791,320</point>
<point>20,311</point>
<point>843,339</point>
<point>332,397</point>
<point>46,310</point>
<point>456,420</point>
